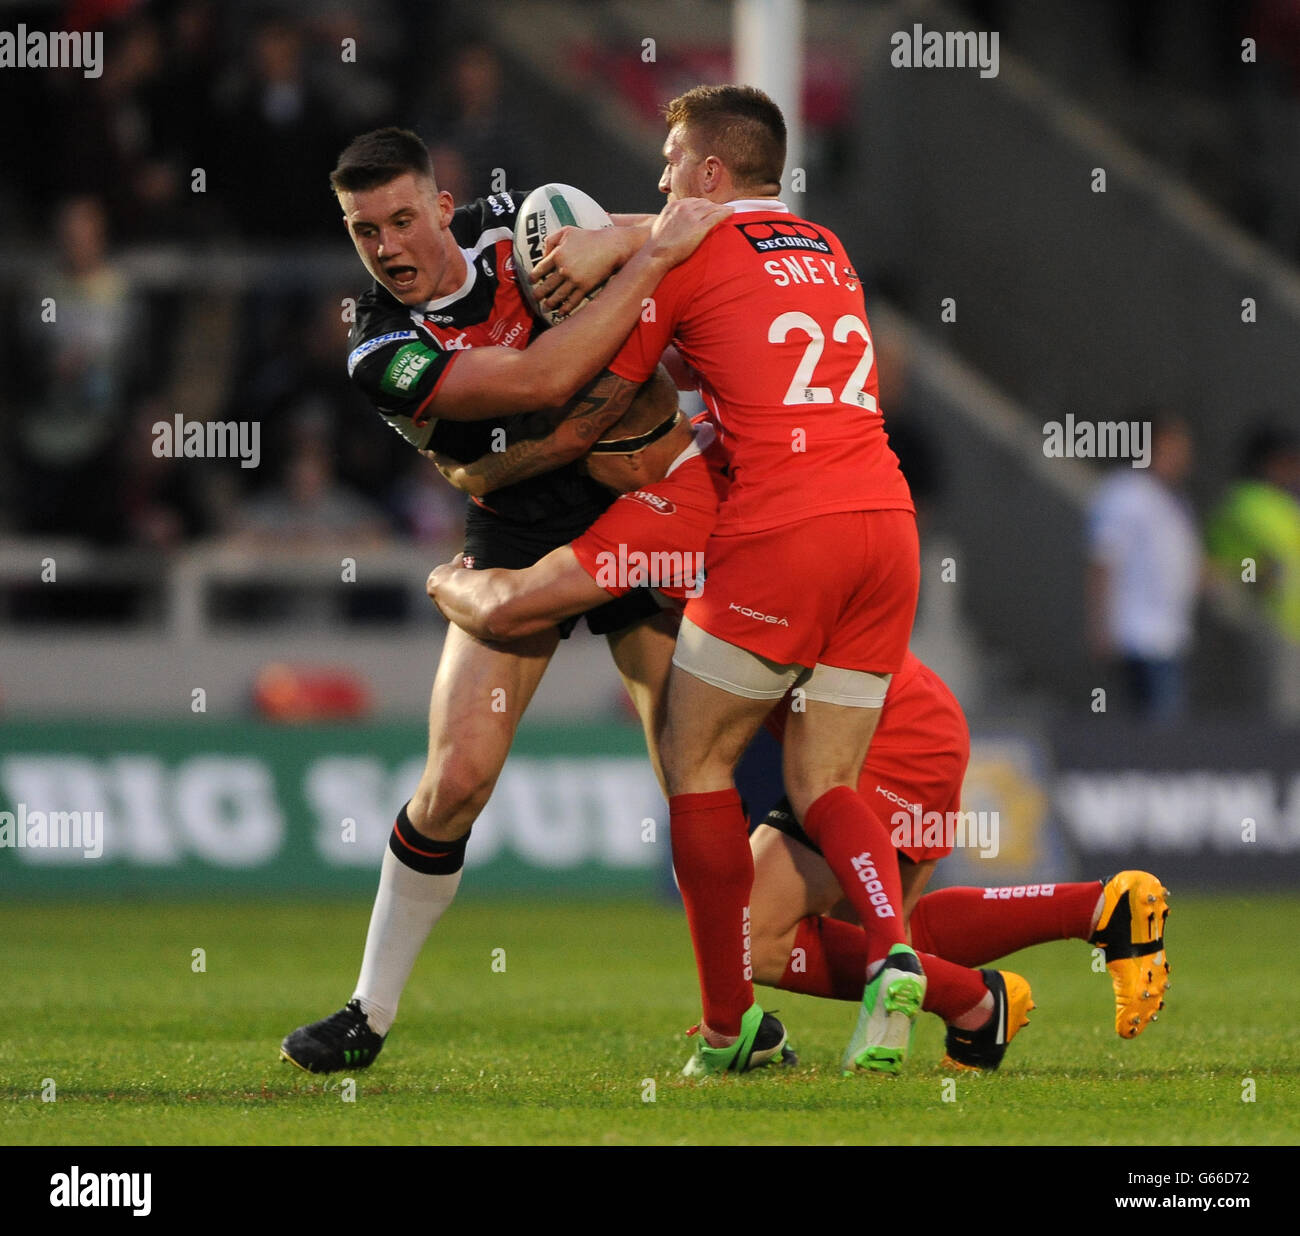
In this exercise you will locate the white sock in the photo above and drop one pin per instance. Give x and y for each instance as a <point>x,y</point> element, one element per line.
<point>407,906</point>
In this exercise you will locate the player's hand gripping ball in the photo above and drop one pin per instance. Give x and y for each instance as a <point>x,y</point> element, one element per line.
<point>546,210</point>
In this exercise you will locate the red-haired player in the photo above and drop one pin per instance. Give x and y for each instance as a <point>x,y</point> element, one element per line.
<point>670,477</point>
<point>813,570</point>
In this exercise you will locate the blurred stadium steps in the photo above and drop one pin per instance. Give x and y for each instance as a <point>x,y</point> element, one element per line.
<point>1002,215</point>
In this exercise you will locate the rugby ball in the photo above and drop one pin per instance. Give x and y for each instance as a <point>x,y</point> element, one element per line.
<point>544,211</point>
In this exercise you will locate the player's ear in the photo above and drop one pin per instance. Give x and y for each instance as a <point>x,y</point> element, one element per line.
<point>446,207</point>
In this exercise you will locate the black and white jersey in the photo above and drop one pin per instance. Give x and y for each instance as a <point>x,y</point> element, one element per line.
<point>400,354</point>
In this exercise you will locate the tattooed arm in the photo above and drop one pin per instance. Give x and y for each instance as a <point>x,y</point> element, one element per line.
<point>577,426</point>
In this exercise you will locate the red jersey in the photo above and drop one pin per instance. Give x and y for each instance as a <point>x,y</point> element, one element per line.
<point>770,313</point>
<point>655,537</point>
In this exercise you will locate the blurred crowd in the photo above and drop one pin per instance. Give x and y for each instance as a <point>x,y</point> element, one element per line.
<point>1209,88</point>
<point>211,131</point>
<point>1152,561</point>
<point>212,128</point>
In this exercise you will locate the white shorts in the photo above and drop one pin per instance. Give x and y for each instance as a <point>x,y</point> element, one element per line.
<point>745,673</point>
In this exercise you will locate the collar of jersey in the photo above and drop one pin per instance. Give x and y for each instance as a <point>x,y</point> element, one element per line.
<point>755,203</point>
<point>704,435</point>
<point>471,257</point>
<point>471,267</point>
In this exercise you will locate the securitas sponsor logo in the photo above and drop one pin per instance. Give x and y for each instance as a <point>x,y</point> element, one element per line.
<point>662,506</point>
<point>767,237</point>
<point>358,354</point>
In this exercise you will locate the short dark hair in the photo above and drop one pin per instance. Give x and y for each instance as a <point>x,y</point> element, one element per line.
<point>739,125</point>
<point>375,158</point>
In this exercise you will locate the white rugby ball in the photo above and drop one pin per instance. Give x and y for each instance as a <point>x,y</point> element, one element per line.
<point>544,211</point>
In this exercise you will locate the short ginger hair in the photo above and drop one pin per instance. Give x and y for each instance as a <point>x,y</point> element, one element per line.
<point>740,126</point>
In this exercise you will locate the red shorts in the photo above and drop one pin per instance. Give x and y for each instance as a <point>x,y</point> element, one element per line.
<point>837,589</point>
<point>915,766</point>
<point>913,773</point>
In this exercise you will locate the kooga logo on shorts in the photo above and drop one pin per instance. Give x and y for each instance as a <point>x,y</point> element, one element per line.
<point>753,613</point>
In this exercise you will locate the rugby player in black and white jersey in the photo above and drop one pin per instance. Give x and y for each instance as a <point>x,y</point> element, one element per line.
<point>446,349</point>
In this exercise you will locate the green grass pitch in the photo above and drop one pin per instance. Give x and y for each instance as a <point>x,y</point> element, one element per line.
<point>578,1039</point>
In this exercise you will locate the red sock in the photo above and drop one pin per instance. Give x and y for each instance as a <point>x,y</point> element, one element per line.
<point>715,871</point>
<point>950,990</point>
<point>856,845</point>
<point>829,958</point>
<point>974,926</point>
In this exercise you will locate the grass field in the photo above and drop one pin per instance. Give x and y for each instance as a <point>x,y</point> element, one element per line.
<point>559,1048</point>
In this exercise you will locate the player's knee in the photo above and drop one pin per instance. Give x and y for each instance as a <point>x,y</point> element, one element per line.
<point>444,806</point>
<point>686,772</point>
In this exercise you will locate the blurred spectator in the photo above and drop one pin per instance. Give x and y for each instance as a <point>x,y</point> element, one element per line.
<point>169,499</point>
<point>468,111</point>
<point>75,368</point>
<point>312,508</point>
<point>1143,573</point>
<point>429,511</point>
<point>278,142</point>
<point>292,373</point>
<point>1257,525</point>
<point>115,137</point>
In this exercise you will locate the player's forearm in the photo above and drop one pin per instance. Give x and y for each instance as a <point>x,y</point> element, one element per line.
<point>482,603</point>
<point>486,382</point>
<point>573,353</point>
<point>585,418</point>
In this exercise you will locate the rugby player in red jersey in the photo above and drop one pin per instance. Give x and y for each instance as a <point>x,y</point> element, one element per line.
<point>812,570</point>
<point>447,351</point>
<point>671,479</point>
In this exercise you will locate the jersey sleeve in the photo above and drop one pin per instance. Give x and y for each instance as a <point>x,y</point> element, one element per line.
<point>397,367</point>
<point>653,537</point>
<point>640,353</point>
<point>597,548</point>
<point>484,214</point>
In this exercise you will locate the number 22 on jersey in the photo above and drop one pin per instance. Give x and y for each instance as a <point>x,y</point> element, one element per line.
<point>802,391</point>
